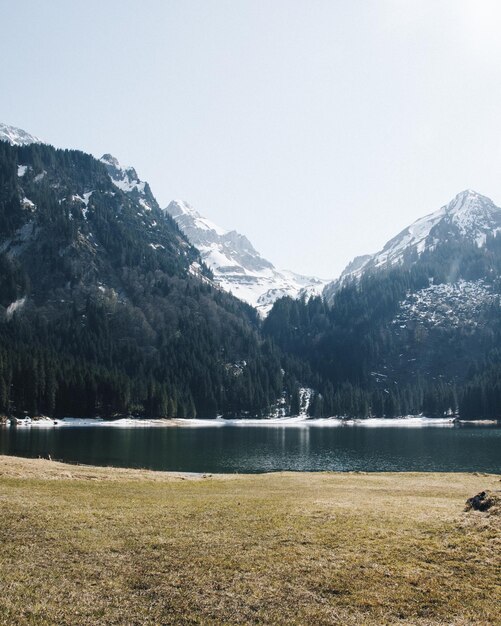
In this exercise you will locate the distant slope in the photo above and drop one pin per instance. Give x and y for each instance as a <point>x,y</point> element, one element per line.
<point>413,328</point>
<point>468,218</point>
<point>237,266</point>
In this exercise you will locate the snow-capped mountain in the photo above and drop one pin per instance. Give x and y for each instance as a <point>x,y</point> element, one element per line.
<point>236,264</point>
<point>127,180</point>
<point>469,217</point>
<point>16,136</point>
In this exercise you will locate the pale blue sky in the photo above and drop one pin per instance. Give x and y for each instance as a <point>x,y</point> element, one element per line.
<point>317,128</point>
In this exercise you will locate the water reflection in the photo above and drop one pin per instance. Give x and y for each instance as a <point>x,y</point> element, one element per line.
<point>256,449</point>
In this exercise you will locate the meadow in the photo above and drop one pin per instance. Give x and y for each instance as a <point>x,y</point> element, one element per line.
<point>88,546</point>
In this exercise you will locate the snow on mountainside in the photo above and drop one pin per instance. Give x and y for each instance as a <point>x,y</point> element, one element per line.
<point>461,304</point>
<point>127,180</point>
<point>468,217</point>
<point>236,265</point>
<point>16,136</point>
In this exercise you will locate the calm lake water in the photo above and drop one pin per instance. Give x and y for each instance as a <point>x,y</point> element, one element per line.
<point>266,448</point>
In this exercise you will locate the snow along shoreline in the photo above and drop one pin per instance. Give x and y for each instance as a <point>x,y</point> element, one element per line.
<point>299,421</point>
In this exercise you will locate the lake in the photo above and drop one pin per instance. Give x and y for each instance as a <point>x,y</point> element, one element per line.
<point>273,447</point>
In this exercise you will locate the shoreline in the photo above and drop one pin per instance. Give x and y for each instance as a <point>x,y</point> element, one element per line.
<point>58,465</point>
<point>296,421</point>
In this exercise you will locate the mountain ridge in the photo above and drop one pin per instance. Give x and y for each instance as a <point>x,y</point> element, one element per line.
<point>237,266</point>
<point>469,216</point>
<point>16,136</point>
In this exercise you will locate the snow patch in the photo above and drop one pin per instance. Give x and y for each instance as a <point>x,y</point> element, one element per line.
<point>39,177</point>
<point>28,204</point>
<point>305,396</point>
<point>127,185</point>
<point>86,197</point>
<point>84,200</point>
<point>17,305</point>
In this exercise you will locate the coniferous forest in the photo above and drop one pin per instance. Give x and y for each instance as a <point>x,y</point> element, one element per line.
<point>109,317</point>
<point>106,309</point>
<point>368,365</point>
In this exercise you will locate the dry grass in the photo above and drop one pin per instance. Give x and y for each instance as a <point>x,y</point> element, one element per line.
<point>90,546</point>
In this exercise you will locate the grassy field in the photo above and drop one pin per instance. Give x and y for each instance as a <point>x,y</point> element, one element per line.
<point>83,545</point>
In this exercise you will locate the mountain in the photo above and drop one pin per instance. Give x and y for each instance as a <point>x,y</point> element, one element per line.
<point>413,328</point>
<point>106,307</point>
<point>16,136</point>
<point>469,217</point>
<point>237,266</point>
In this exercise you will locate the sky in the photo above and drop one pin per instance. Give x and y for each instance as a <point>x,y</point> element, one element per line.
<point>317,128</point>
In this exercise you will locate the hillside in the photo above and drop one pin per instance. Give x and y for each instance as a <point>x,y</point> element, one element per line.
<point>106,306</point>
<point>413,328</point>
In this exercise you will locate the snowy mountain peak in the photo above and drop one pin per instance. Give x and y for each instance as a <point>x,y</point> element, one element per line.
<point>111,161</point>
<point>470,201</point>
<point>237,266</point>
<point>127,180</point>
<point>473,214</point>
<point>187,216</point>
<point>117,171</point>
<point>468,197</point>
<point>468,217</point>
<point>16,136</point>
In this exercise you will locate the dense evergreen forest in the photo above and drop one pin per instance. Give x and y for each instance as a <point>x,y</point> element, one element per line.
<point>369,365</point>
<point>102,313</point>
